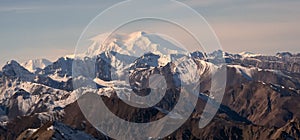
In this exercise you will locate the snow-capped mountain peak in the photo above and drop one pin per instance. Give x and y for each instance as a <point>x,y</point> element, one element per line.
<point>248,54</point>
<point>33,65</point>
<point>134,44</point>
<point>15,70</point>
<point>15,66</point>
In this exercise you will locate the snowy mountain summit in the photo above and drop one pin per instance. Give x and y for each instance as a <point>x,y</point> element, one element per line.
<point>249,54</point>
<point>33,65</point>
<point>135,44</point>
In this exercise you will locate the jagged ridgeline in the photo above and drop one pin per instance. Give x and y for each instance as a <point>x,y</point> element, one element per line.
<point>261,101</point>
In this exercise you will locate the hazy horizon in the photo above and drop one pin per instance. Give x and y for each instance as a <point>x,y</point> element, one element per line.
<point>40,29</point>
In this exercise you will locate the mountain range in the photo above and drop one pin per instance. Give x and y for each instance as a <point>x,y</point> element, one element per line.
<point>38,99</point>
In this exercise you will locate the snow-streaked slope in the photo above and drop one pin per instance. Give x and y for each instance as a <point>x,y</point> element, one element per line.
<point>23,98</point>
<point>60,70</point>
<point>33,65</point>
<point>63,131</point>
<point>245,71</point>
<point>57,78</point>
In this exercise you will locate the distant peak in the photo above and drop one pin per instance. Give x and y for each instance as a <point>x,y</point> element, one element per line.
<point>245,52</point>
<point>284,54</point>
<point>248,54</point>
<point>13,68</point>
<point>134,44</point>
<point>137,34</point>
<point>34,64</point>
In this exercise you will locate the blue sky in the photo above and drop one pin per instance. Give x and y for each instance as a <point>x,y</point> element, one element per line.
<point>50,29</point>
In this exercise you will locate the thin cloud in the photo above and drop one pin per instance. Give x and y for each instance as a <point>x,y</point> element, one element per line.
<point>18,9</point>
